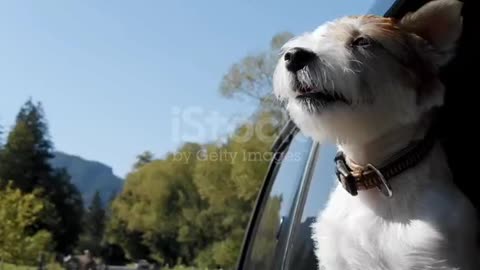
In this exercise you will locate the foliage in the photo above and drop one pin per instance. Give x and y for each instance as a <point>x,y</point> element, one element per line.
<point>189,208</point>
<point>262,254</point>
<point>143,159</point>
<point>50,266</point>
<point>158,199</point>
<point>68,211</point>
<point>193,206</point>
<point>182,267</point>
<point>251,77</point>
<point>131,241</point>
<point>28,148</point>
<point>93,227</point>
<point>18,212</point>
<point>8,266</point>
<point>53,265</point>
<point>25,159</point>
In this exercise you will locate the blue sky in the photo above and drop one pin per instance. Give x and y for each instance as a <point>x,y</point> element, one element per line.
<point>113,76</point>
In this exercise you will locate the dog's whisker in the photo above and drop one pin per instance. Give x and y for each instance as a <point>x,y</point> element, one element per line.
<point>328,65</point>
<point>356,61</point>
<point>324,77</point>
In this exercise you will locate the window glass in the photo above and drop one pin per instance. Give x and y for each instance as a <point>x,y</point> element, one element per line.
<point>276,212</point>
<point>301,256</point>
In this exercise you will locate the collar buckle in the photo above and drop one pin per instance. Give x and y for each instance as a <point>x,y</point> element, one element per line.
<point>344,175</point>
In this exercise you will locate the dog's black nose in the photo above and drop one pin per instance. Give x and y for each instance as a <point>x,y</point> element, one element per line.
<point>297,58</point>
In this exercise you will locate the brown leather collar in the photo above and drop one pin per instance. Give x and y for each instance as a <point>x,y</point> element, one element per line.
<point>367,177</point>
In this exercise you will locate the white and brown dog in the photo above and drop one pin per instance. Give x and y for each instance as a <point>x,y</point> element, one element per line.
<point>370,84</point>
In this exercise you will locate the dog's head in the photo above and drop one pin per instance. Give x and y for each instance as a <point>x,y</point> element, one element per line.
<point>357,77</point>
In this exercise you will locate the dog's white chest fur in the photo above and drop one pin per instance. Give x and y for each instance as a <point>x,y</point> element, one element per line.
<point>427,224</point>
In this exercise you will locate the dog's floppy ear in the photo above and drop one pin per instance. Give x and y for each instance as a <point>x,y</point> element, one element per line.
<point>439,22</point>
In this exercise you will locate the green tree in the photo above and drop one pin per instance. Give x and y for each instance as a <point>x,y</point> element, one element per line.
<point>1,137</point>
<point>251,77</point>
<point>249,171</point>
<point>193,206</point>
<point>130,240</point>
<point>142,159</point>
<point>18,212</point>
<point>231,186</point>
<point>68,211</point>
<point>94,226</point>
<point>95,218</point>
<point>262,252</point>
<point>159,204</point>
<point>25,158</point>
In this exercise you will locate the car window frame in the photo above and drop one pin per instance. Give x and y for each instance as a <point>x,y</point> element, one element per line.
<point>281,145</point>
<point>299,204</point>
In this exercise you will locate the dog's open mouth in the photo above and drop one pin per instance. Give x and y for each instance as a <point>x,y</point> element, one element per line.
<point>313,95</point>
<point>315,99</point>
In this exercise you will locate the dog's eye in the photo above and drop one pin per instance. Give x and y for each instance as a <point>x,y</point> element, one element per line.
<point>360,42</point>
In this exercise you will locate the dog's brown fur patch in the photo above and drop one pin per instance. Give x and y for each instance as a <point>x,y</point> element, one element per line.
<point>402,45</point>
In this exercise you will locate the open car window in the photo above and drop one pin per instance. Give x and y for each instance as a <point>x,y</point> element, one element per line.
<point>277,206</point>
<point>300,255</point>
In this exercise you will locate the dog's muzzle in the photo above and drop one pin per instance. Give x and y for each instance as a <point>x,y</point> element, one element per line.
<point>307,82</point>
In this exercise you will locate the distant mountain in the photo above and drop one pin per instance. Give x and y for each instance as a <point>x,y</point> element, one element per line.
<point>89,176</point>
